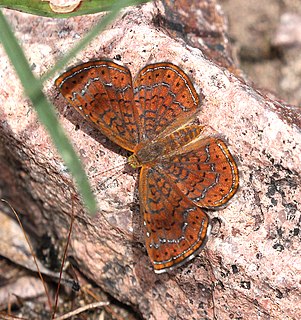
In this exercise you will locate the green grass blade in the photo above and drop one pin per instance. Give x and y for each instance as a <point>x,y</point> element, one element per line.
<point>33,89</point>
<point>42,8</point>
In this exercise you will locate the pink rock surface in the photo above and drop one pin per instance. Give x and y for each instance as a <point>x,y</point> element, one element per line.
<point>251,266</point>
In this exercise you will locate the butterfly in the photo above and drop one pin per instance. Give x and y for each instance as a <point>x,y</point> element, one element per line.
<point>183,172</point>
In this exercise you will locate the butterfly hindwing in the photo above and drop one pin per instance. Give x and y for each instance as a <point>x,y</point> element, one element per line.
<point>204,171</point>
<point>175,228</point>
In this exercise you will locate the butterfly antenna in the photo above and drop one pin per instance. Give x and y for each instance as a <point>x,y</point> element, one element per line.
<point>111,169</point>
<point>104,183</point>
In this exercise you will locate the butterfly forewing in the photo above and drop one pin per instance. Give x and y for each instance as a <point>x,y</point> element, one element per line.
<point>165,99</point>
<point>175,227</point>
<point>102,92</point>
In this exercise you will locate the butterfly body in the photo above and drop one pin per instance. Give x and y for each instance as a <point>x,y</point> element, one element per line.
<point>182,171</point>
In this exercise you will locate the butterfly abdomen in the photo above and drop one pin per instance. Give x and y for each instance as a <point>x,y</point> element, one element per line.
<point>150,151</point>
<point>180,138</point>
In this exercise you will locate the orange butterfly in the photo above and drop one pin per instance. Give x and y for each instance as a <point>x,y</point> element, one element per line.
<point>181,170</point>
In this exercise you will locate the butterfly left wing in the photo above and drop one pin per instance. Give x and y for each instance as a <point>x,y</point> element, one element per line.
<point>101,91</point>
<point>175,228</point>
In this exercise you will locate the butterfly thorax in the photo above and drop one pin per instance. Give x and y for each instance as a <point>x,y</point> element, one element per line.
<point>148,152</point>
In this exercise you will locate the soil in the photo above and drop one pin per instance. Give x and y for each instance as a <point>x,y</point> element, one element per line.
<point>267,45</point>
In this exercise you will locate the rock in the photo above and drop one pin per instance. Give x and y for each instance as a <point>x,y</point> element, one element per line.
<point>251,264</point>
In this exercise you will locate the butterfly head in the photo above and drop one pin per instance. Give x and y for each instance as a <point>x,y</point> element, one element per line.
<point>134,162</point>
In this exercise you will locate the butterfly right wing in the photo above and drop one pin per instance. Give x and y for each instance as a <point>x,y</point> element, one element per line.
<point>175,228</point>
<point>165,99</point>
<point>204,171</point>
